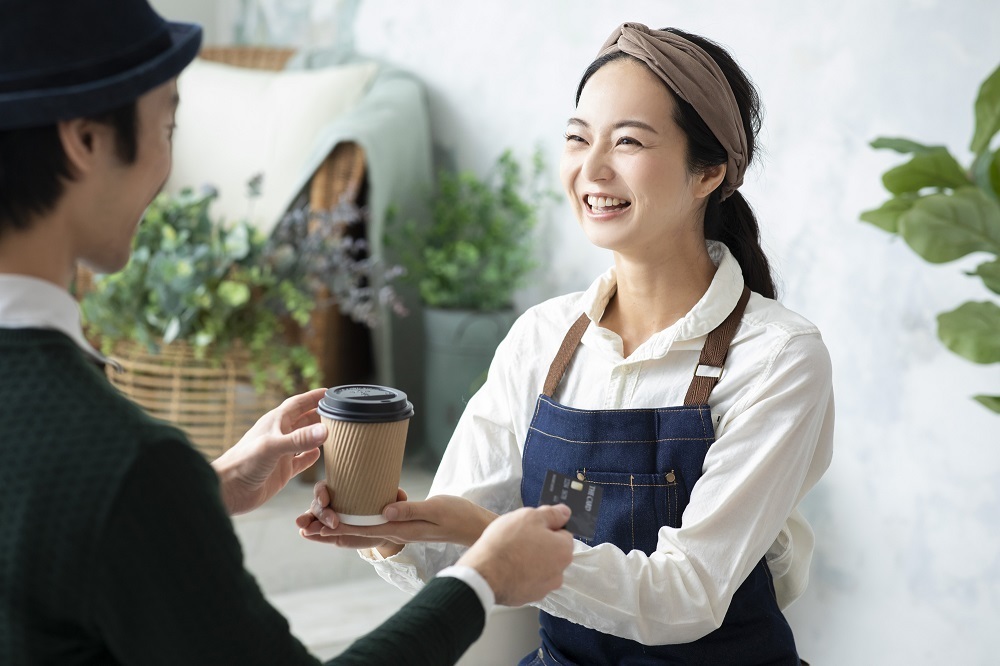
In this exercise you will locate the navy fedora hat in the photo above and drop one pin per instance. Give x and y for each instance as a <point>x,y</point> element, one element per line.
<point>63,59</point>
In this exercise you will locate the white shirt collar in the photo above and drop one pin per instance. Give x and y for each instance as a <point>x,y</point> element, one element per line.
<point>710,311</point>
<point>28,302</point>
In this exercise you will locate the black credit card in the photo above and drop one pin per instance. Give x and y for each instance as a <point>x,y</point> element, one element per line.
<point>583,499</point>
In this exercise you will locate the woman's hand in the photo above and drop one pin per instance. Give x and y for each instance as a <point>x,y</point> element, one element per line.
<point>319,523</point>
<point>280,445</point>
<point>442,518</point>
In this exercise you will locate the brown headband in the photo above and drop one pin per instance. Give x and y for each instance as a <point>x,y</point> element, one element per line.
<point>696,78</point>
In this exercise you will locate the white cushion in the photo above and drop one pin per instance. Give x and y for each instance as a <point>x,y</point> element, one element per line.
<point>234,122</point>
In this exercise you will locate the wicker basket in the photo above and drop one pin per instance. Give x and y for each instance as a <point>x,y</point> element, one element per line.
<point>212,401</point>
<point>251,57</point>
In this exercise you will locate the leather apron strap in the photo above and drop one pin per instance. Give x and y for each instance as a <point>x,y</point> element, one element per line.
<point>713,355</point>
<point>565,354</point>
<point>706,375</point>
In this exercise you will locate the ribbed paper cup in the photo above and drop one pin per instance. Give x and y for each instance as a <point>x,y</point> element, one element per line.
<point>363,451</point>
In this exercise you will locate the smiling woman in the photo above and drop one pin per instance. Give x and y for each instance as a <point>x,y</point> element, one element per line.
<point>623,145</point>
<point>701,406</point>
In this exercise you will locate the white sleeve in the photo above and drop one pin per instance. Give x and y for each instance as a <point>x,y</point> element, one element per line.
<point>482,464</point>
<point>772,451</point>
<point>475,580</point>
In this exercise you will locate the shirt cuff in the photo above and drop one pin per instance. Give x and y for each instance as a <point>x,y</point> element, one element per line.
<point>370,554</point>
<point>473,579</point>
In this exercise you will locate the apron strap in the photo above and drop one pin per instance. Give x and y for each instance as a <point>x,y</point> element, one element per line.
<point>713,355</point>
<point>566,350</point>
<point>706,375</point>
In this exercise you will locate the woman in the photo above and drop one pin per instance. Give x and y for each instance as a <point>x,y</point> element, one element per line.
<point>702,407</point>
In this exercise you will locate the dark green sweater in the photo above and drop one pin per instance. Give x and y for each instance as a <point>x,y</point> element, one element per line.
<point>115,547</point>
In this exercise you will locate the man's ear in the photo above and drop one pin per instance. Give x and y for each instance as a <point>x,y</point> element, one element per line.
<point>85,143</point>
<point>709,179</point>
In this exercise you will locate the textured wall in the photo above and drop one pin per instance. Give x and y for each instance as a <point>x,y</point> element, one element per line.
<point>908,517</point>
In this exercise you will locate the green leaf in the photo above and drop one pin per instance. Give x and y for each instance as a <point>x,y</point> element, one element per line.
<point>173,329</point>
<point>990,272</point>
<point>987,113</point>
<point>990,401</point>
<point>237,243</point>
<point>995,173</point>
<point>933,168</point>
<point>886,217</point>
<point>900,145</point>
<point>945,227</point>
<point>972,330</point>
<point>985,173</point>
<point>233,294</point>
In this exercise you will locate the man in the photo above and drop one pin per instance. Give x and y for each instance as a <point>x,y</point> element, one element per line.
<point>115,546</point>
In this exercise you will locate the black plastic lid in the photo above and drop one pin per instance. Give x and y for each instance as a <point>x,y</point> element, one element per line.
<point>365,403</point>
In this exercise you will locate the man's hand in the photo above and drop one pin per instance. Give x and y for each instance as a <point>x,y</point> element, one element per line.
<point>522,554</point>
<point>281,444</point>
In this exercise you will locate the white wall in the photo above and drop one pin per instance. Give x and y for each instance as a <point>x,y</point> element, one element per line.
<point>193,11</point>
<point>908,517</point>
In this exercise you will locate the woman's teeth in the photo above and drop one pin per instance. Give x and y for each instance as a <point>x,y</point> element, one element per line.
<point>601,203</point>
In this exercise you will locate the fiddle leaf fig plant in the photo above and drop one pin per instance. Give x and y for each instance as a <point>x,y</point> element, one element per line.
<point>945,212</point>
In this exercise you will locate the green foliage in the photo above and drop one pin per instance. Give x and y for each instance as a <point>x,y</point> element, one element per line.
<point>947,226</point>
<point>972,330</point>
<point>987,113</point>
<point>477,249</point>
<point>944,213</point>
<point>212,286</point>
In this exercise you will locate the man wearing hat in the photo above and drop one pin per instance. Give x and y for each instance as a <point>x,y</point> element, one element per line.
<point>115,546</point>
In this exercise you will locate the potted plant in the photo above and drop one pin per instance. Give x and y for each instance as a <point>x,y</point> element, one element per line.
<point>466,262</point>
<point>944,212</point>
<point>206,317</point>
<point>203,284</point>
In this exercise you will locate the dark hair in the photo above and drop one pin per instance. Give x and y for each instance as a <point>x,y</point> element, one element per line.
<point>731,221</point>
<point>33,165</point>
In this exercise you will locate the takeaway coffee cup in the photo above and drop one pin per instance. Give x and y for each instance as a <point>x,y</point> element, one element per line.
<point>366,435</point>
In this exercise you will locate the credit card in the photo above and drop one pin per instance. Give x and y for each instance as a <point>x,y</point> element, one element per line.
<point>583,499</point>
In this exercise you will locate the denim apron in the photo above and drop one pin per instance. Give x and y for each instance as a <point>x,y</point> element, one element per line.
<point>647,462</point>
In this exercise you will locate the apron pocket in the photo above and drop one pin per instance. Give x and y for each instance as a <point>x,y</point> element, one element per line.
<point>635,506</point>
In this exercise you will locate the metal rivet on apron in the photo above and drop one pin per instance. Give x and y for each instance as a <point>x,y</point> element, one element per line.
<point>670,477</point>
<point>580,476</point>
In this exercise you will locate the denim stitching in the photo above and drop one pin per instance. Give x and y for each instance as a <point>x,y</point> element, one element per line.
<point>632,515</point>
<point>631,485</point>
<point>538,403</point>
<point>619,441</point>
<point>672,500</point>
<point>524,455</point>
<point>574,410</point>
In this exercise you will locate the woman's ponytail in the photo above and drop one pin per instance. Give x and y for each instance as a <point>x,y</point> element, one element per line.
<point>732,222</point>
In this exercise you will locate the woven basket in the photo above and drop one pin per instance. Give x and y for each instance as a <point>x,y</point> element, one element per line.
<point>212,401</point>
<point>251,57</point>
